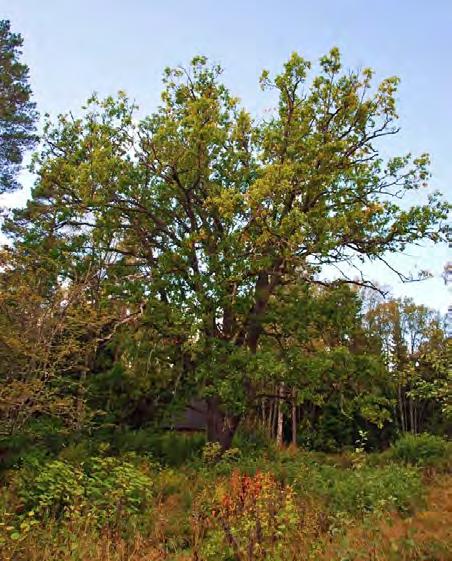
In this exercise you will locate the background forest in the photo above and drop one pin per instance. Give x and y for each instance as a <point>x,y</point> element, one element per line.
<point>181,375</point>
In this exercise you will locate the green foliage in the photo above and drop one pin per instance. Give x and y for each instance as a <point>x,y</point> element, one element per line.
<point>412,342</point>
<point>17,111</point>
<point>178,259</point>
<point>213,457</point>
<point>52,488</point>
<point>108,490</point>
<point>356,489</point>
<point>357,492</point>
<point>184,239</point>
<point>211,452</point>
<point>252,438</point>
<point>421,449</point>
<point>116,489</point>
<point>173,448</point>
<point>343,484</point>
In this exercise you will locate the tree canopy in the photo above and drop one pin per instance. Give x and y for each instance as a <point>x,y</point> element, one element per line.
<point>197,219</point>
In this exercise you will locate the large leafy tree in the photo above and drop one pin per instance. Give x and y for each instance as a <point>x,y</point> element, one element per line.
<point>17,110</point>
<point>207,212</point>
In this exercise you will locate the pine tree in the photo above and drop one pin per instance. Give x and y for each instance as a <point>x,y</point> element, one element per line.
<point>17,112</point>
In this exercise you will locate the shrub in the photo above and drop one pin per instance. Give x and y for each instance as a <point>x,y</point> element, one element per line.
<point>422,449</point>
<point>357,492</point>
<point>109,490</point>
<point>249,518</point>
<point>211,453</point>
<point>115,488</point>
<point>51,489</point>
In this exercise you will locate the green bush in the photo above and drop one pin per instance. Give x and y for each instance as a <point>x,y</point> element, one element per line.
<point>110,490</point>
<point>421,449</point>
<point>115,488</point>
<point>53,488</point>
<point>353,491</point>
<point>373,490</point>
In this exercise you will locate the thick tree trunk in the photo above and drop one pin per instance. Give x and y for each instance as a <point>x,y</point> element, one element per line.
<point>221,426</point>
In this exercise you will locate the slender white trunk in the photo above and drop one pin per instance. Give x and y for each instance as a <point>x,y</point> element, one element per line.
<point>294,419</point>
<point>279,431</point>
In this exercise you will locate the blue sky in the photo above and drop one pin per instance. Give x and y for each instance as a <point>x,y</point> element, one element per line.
<point>76,47</point>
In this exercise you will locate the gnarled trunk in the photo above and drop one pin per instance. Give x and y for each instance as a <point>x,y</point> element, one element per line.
<point>221,426</point>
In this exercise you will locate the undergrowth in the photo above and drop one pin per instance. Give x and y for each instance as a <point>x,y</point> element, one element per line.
<point>262,505</point>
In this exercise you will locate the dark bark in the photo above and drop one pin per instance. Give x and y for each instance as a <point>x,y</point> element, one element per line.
<point>262,294</point>
<point>221,426</point>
